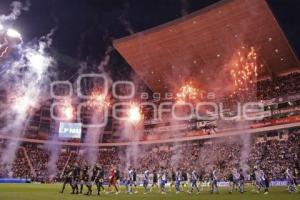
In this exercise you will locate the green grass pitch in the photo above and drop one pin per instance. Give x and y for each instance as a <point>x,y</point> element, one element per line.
<point>47,192</point>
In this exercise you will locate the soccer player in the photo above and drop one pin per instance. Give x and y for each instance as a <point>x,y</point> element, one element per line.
<point>163,180</point>
<point>230,180</point>
<point>67,177</point>
<point>86,178</point>
<point>194,179</point>
<point>76,178</point>
<point>241,181</point>
<point>134,182</point>
<point>99,180</point>
<point>129,180</point>
<point>155,179</point>
<point>235,180</point>
<point>290,178</point>
<point>201,180</point>
<point>178,180</point>
<point>173,179</point>
<point>267,183</point>
<point>81,181</point>
<point>118,177</point>
<point>95,172</point>
<point>188,181</point>
<point>262,181</point>
<point>257,179</point>
<point>214,181</point>
<point>112,180</point>
<point>253,179</point>
<point>296,175</point>
<point>146,181</point>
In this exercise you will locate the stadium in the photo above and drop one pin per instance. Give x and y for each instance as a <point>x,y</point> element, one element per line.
<point>134,99</point>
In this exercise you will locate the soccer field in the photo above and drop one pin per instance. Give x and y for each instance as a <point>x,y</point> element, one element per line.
<point>47,192</point>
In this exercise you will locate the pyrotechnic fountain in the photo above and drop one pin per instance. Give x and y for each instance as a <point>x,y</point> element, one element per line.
<point>132,131</point>
<point>25,76</point>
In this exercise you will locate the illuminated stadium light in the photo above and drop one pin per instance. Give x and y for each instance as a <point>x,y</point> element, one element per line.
<point>13,33</point>
<point>134,114</point>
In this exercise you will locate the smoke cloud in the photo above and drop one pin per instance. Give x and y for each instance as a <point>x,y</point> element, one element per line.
<point>26,79</point>
<point>16,9</point>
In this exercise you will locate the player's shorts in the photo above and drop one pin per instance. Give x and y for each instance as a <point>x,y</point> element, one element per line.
<point>112,181</point>
<point>214,182</point>
<point>129,182</point>
<point>177,183</point>
<point>75,182</point>
<point>88,183</point>
<point>290,182</point>
<point>194,182</point>
<point>162,183</point>
<point>68,180</point>
<point>262,183</point>
<point>146,182</point>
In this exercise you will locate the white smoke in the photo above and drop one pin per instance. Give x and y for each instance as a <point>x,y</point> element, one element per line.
<point>124,20</point>
<point>54,152</point>
<point>95,133</point>
<point>106,59</point>
<point>92,138</point>
<point>16,9</point>
<point>26,81</point>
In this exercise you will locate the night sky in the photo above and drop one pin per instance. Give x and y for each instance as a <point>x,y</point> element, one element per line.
<point>86,28</point>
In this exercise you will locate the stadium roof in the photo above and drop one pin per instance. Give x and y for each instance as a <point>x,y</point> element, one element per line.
<point>198,46</point>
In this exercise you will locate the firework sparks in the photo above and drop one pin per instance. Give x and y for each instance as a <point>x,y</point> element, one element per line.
<point>244,71</point>
<point>66,111</point>
<point>187,93</point>
<point>13,33</point>
<point>21,103</point>
<point>9,38</point>
<point>97,99</point>
<point>134,113</point>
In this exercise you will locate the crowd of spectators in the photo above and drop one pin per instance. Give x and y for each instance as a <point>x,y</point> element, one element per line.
<point>279,86</point>
<point>19,168</point>
<point>267,89</point>
<point>274,155</point>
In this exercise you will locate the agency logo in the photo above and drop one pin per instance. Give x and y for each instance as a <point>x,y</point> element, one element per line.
<point>123,108</point>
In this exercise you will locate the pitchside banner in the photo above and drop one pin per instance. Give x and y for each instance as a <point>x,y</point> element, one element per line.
<point>70,130</point>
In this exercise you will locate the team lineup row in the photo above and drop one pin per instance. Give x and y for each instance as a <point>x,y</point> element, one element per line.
<point>78,177</point>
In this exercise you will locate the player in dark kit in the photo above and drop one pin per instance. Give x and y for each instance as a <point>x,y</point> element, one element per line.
<point>67,177</point>
<point>201,180</point>
<point>154,179</point>
<point>242,181</point>
<point>86,180</point>
<point>81,182</point>
<point>134,179</point>
<point>99,180</point>
<point>173,179</point>
<point>76,178</point>
<point>95,172</point>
